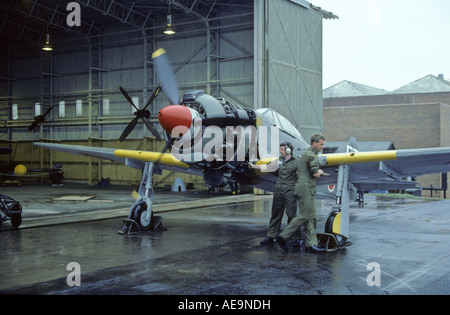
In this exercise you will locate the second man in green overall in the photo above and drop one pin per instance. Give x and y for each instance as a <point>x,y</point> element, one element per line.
<point>308,171</point>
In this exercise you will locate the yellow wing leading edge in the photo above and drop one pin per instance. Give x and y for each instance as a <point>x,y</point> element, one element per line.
<point>356,157</point>
<point>163,158</point>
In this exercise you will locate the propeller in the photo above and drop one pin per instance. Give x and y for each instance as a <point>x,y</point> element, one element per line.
<point>144,114</point>
<point>39,119</point>
<point>171,115</point>
<point>169,86</point>
<point>166,75</point>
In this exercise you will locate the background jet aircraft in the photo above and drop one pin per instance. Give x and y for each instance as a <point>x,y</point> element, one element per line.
<point>379,167</point>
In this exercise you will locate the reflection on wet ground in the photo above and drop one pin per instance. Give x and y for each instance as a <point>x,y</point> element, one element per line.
<point>216,250</point>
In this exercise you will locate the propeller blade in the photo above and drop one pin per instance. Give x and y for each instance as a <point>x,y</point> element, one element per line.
<point>152,128</point>
<point>128,129</point>
<point>168,143</point>
<point>147,122</point>
<point>166,75</point>
<point>127,97</point>
<point>48,111</point>
<point>153,97</point>
<point>37,120</point>
<point>33,125</point>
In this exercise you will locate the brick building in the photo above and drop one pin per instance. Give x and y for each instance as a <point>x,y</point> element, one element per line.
<point>416,115</point>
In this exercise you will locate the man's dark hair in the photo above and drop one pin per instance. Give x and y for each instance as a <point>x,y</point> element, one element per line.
<point>316,138</point>
<point>287,144</point>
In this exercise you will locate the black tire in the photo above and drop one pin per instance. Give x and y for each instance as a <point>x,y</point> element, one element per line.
<point>16,220</point>
<point>341,240</point>
<point>138,215</point>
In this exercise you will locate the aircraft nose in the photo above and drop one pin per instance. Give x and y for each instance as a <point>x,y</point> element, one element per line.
<point>175,115</point>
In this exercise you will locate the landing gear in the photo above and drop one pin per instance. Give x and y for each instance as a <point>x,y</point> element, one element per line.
<point>337,224</point>
<point>360,198</point>
<point>331,240</point>
<point>140,214</point>
<point>141,217</point>
<point>331,227</point>
<point>335,218</point>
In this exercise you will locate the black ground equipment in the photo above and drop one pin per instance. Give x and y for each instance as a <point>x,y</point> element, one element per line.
<point>12,210</point>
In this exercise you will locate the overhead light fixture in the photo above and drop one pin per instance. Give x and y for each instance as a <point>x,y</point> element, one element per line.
<point>47,46</point>
<point>169,29</point>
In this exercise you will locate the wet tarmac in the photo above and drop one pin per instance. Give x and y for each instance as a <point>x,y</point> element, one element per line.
<point>399,246</point>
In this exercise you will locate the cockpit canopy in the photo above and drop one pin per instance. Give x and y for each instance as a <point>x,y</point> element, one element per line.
<point>280,121</point>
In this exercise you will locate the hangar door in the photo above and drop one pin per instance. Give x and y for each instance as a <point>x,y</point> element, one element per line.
<point>288,62</point>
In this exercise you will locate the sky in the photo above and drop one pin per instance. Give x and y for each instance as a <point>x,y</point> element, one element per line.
<point>385,43</point>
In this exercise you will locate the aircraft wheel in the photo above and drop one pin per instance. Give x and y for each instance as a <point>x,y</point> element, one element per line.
<point>341,240</point>
<point>16,220</point>
<point>139,214</point>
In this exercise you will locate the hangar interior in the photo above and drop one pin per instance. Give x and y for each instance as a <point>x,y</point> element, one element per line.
<point>253,53</point>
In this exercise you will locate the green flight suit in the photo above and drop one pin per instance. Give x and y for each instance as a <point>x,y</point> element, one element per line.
<point>283,197</point>
<point>305,189</point>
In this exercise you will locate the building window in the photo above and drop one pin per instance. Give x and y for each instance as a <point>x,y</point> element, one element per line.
<point>79,108</point>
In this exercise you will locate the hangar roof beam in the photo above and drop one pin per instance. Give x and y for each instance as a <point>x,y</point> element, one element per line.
<point>122,12</point>
<point>55,17</point>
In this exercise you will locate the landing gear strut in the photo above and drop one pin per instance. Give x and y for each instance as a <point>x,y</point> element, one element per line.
<point>141,217</point>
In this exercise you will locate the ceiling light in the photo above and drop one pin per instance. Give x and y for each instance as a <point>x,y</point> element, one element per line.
<point>47,46</point>
<point>169,29</point>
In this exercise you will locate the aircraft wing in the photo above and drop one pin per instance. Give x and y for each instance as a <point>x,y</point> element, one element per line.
<point>105,153</point>
<point>371,167</point>
<point>133,158</point>
<point>367,169</point>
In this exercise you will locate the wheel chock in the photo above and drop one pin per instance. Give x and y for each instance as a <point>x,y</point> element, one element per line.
<point>130,227</point>
<point>329,242</point>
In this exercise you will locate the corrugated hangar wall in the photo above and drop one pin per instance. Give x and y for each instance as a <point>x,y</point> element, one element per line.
<point>221,57</point>
<point>289,41</point>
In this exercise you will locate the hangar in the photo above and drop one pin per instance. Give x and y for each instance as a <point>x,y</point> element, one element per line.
<point>258,54</point>
<point>261,54</point>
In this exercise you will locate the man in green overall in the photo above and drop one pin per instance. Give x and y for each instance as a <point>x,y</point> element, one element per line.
<point>283,197</point>
<point>305,189</point>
